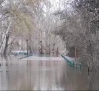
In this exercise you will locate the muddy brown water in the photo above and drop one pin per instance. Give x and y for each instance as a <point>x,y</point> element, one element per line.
<point>16,74</point>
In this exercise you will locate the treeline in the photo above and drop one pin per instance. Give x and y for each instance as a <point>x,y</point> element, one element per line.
<point>80,29</point>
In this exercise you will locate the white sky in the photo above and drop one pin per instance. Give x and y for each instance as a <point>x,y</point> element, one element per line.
<point>59,4</point>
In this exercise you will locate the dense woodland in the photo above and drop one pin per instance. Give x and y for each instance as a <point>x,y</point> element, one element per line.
<point>52,27</point>
<point>80,30</point>
<point>28,25</point>
<point>42,26</point>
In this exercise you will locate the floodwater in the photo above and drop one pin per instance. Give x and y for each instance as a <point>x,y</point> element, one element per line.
<point>37,73</point>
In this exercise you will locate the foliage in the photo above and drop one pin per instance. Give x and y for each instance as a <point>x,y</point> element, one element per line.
<point>80,29</point>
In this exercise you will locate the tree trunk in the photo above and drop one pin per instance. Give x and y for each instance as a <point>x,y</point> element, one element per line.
<point>27,47</point>
<point>6,45</point>
<point>30,45</point>
<point>49,50</point>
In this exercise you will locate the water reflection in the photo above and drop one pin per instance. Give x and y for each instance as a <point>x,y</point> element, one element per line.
<point>44,75</point>
<point>93,80</point>
<point>74,79</point>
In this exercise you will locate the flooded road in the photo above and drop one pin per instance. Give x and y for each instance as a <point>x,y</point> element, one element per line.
<point>41,74</point>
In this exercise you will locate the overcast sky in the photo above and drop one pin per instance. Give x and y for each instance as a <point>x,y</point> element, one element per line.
<point>60,4</point>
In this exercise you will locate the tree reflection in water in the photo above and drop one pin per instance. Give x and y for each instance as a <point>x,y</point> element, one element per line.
<point>74,79</point>
<point>45,75</point>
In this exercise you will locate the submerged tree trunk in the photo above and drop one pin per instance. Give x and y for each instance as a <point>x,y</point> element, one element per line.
<point>6,45</point>
<point>27,47</point>
<point>30,46</point>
